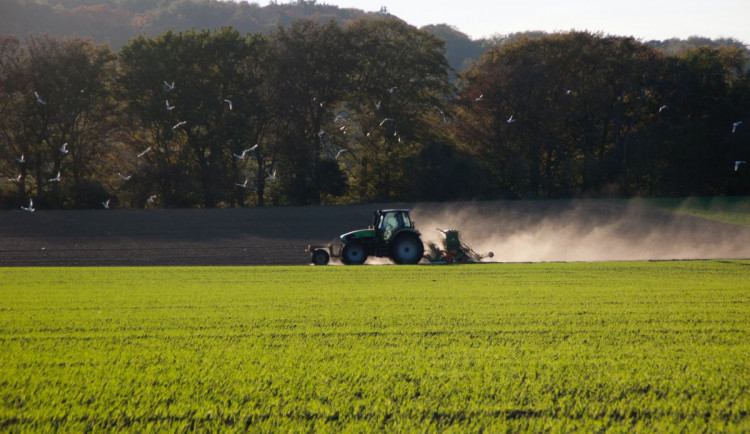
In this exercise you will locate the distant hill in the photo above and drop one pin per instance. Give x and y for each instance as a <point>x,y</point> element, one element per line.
<point>116,21</point>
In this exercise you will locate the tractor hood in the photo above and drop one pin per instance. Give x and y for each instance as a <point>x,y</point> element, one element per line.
<point>358,234</point>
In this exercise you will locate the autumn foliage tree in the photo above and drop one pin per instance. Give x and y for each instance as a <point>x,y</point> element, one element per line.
<point>324,113</point>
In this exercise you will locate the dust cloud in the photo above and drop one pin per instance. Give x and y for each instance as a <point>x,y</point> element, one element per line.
<point>581,230</point>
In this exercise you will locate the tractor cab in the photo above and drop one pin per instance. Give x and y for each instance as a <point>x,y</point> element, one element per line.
<point>390,221</point>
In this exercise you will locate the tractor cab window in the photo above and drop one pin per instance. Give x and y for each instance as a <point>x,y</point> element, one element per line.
<point>393,221</point>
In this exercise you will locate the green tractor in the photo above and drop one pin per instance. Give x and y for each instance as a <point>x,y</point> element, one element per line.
<point>392,235</point>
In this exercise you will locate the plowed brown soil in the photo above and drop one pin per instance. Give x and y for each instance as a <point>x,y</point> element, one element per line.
<point>279,236</point>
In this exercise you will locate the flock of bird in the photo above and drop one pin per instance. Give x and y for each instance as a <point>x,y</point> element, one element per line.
<point>243,155</point>
<point>735,125</point>
<point>152,198</point>
<point>663,108</point>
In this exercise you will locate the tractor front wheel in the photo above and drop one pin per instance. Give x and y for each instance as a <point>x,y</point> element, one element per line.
<point>353,253</point>
<point>407,249</point>
<point>320,257</point>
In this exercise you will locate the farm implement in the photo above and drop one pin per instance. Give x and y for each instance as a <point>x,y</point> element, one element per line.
<point>453,250</point>
<point>393,235</point>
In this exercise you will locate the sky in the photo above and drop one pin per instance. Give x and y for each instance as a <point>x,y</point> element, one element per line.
<point>642,19</point>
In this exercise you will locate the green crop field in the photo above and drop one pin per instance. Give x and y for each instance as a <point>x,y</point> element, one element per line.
<point>733,209</point>
<point>625,346</point>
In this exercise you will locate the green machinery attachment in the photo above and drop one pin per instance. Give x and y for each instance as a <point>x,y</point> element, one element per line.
<point>453,250</point>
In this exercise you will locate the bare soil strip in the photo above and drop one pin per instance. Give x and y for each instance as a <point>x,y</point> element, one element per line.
<point>515,230</point>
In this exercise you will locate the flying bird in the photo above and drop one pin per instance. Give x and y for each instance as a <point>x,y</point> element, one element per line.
<point>341,151</point>
<point>169,107</point>
<point>229,103</point>
<point>17,179</point>
<point>377,105</point>
<point>479,98</point>
<point>39,99</point>
<point>737,164</point>
<point>272,176</point>
<point>168,85</point>
<point>243,185</point>
<point>386,120</point>
<point>662,108</point>
<point>106,204</point>
<point>22,159</point>
<point>736,125</point>
<point>29,208</point>
<point>392,89</point>
<point>151,199</point>
<point>245,152</point>
<point>64,148</point>
<point>56,178</point>
<point>510,119</point>
<point>123,177</point>
<point>441,113</point>
<point>146,151</point>
<point>179,124</point>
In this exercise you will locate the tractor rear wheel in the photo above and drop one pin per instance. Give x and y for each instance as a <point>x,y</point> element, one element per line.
<point>320,257</point>
<point>407,249</point>
<point>353,253</point>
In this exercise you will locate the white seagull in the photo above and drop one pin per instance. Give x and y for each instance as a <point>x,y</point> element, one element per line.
<point>341,151</point>
<point>22,159</point>
<point>30,208</point>
<point>736,125</point>
<point>441,113</point>
<point>662,108</point>
<point>479,98</point>
<point>151,199</point>
<point>17,179</point>
<point>64,148</point>
<point>386,120</point>
<point>229,103</point>
<point>123,177</point>
<point>168,85</point>
<point>146,151</point>
<point>243,185</point>
<point>510,119</point>
<point>272,176</point>
<point>56,178</point>
<point>106,204</point>
<point>179,124</point>
<point>169,107</point>
<point>737,164</point>
<point>245,152</point>
<point>39,99</point>
<point>377,105</point>
<point>392,89</point>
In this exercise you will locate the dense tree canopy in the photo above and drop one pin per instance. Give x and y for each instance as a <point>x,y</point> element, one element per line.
<point>321,113</point>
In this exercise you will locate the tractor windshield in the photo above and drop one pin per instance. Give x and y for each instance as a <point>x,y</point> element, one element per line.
<point>392,221</point>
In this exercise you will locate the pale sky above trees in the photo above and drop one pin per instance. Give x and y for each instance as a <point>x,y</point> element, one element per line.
<point>643,19</point>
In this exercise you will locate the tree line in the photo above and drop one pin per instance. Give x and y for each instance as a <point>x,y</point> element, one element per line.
<point>319,113</point>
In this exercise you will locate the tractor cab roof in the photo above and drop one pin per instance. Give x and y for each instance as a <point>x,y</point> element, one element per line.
<point>384,211</point>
